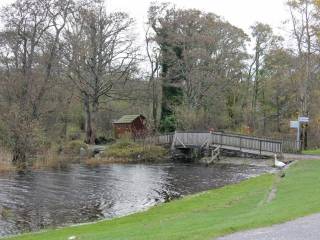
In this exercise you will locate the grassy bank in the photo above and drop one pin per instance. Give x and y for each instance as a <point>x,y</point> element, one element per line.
<point>260,201</point>
<point>312,151</point>
<point>126,151</point>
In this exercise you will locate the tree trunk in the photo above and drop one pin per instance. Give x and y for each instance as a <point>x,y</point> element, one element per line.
<point>306,137</point>
<point>264,113</point>
<point>91,111</point>
<point>94,122</point>
<point>256,86</point>
<point>154,107</point>
<point>88,121</point>
<point>19,156</point>
<point>278,115</point>
<point>154,115</point>
<point>64,130</point>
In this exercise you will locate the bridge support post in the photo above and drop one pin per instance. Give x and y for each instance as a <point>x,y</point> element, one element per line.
<point>260,148</point>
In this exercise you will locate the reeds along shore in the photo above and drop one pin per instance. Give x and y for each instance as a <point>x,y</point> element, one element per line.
<point>59,157</point>
<point>5,162</point>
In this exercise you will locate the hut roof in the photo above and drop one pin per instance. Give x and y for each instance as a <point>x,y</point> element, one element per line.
<point>128,118</point>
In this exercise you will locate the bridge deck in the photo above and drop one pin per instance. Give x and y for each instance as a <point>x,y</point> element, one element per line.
<point>245,150</point>
<point>253,145</point>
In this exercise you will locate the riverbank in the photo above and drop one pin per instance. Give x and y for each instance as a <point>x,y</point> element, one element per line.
<point>61,156</point>
<point>261,201</point>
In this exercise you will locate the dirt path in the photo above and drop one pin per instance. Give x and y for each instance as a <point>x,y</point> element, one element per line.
<point>307,228</point>
<point>293,157</point>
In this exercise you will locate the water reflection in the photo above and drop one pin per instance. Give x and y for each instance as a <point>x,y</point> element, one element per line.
<point>42,199</point>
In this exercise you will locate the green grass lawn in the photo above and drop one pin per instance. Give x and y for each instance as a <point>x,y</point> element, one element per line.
<point>213,213</point>
<point>312,151</point>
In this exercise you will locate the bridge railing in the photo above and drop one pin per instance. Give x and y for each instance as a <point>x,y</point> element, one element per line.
<point>246,142</point>
<point>200,139</point>
<point>165,139</point>
<point>192,138</point>
<point>290,146</point>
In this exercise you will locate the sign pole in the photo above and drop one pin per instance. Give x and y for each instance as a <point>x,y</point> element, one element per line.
<point>302,120</point>
<point>297,125</point>
<point>298,138</point>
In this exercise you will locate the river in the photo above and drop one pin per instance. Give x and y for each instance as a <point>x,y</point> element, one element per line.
<point>41,199</point>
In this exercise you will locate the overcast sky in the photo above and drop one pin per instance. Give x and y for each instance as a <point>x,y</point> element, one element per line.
<point>241,13</point>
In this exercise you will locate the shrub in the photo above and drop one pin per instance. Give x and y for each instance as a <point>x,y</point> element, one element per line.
<point>168,124</point>
<point>104,140</point>
<point>73,147</point>
<point>188,118</point>
<point>135,152</point>
<point>51,159</point>
<point>74,133</point>
<point>74,136</point>
<point>5,161</point>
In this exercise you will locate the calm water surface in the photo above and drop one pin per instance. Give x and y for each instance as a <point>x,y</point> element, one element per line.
<point>41,199</point>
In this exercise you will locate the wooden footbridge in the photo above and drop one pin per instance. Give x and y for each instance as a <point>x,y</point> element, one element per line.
<point>253,145</point>
<point>215,142</point>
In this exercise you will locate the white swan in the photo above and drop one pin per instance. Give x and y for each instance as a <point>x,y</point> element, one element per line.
<point>277,163</point>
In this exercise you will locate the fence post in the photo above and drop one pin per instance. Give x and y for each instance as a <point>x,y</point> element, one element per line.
<point>212,138</point>
<point>260,147</point>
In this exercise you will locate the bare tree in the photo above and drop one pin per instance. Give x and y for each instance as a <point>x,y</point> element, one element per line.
<point>101,56</point>
<point>304,20</point>
<point>264,41</point>
<point>30,44</point>
<point>153,56</point>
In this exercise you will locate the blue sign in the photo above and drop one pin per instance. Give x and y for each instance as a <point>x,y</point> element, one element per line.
<point>303,119</point>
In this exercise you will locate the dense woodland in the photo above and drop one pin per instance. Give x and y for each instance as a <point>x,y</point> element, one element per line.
<point>69,68</point>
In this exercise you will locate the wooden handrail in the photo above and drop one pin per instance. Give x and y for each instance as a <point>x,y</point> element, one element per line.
<point>202,139</point>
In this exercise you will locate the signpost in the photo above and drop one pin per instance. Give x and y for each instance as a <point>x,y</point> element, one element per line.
<point>294,124</point>
<point>297,125</point>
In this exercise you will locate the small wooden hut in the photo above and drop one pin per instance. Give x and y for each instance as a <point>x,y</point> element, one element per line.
<point>132,125</point>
